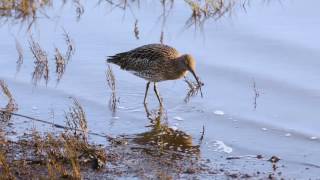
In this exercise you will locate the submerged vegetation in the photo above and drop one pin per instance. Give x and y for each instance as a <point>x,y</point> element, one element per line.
<point>111,80</point>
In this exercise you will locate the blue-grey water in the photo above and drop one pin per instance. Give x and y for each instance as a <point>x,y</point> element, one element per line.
<point>275,45</point>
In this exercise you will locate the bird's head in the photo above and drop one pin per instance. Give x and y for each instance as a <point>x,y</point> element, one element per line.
<point>190,64</point>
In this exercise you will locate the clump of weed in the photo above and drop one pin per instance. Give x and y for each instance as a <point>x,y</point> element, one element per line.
<point>76,120</point>
<point>41,69</point>
<point>203,10</point>
<point>193,89</point>
<point>22,10</point>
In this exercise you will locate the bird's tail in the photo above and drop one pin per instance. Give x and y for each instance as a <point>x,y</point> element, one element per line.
<point>112,59</point>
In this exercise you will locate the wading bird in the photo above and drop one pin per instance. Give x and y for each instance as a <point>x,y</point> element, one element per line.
<point>156,63</point>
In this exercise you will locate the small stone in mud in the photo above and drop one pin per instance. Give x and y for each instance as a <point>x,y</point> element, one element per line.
<point>274,159</point>
<point>259,156</point>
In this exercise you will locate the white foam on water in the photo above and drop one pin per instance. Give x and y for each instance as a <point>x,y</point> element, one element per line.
<point>222,147</point>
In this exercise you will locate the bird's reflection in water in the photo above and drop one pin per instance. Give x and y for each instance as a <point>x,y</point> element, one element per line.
<point>162,139</point>
<point>161,151</point>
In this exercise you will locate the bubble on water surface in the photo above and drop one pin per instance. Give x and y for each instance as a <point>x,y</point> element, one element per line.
<point>218,112</point>
<point>288,134</point>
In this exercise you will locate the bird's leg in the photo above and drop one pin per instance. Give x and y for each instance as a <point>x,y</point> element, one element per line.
<point>147,112</point>
<point>146,93</point>
<point>157,93</point>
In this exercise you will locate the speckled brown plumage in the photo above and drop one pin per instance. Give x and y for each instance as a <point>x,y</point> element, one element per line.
<point>155,63</point>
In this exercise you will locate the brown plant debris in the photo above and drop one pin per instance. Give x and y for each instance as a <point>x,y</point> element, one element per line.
<point>113,102</point>
<point>20,55</point>
<point>5,113</point>
<point>41,69</point>
<point>193,89</point>
<point>5,167</point>
<point>49,155</point>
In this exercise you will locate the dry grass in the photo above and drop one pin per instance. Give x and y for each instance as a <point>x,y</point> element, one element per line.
<point>64,155</point>
<point>113,101</point>
<point>5,113</point>
<point>5,170</point>
<point>76,120</point>
<point>62,61</point>
<point>210,9</point>
<point>22,10</point>
<point>41,69</point>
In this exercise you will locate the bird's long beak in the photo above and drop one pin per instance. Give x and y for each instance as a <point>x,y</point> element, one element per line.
<point>197,79</point>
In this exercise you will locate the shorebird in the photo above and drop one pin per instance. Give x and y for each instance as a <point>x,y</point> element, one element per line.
<point>156,63</point>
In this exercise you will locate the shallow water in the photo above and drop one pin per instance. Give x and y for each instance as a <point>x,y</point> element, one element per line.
<point>272,44</point>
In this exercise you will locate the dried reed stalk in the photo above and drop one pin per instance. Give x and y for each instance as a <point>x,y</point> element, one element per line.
<point>41,69</point>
